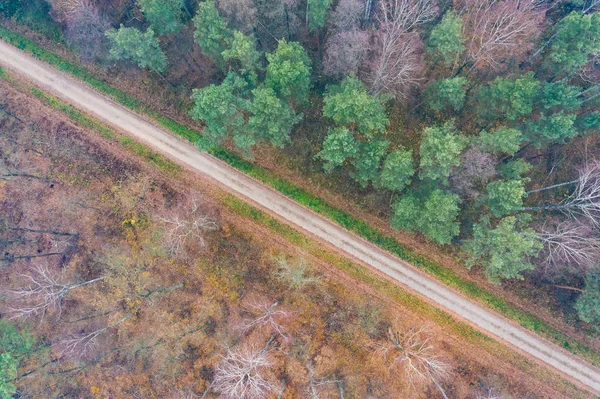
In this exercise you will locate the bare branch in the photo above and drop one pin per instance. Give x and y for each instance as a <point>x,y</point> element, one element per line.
<point>570,243</point>
<point>298,275</point>
<point>189,227</point>
<point>265,315</point>
<point>79,345</point>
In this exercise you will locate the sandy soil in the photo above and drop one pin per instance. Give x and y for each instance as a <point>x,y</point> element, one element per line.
<point>491,323</point>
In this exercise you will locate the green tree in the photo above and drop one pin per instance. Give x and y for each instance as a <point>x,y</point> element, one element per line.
<point>398,169</point>
<point>163,15</point>
<point>339,145</point>
<point>14,345</point>
<point>577,37</point>
<point>350,105</point>
<point>368,159</point>
<point>317,13</point>
<point>502,140</point>
<point>288,72</point>
<point>588,122</point>
<point>445,93</point>
<point>505,196</point>
<point>503,251</point>
<point>223,110</point>
<point>141,48</point>
<point>440,150</point>
<point>271,119</point>
<point>588,303</point>
<point>445,43</point>
<point>515,170</point>
<point>433,214</point>
<point>509,99</point>
<point>559,96</point>
<point>556,128</point>
<point>242,55</point>
<point>211,32</point>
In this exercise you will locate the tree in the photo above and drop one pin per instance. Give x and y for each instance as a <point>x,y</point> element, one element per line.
<point>345,52</point>
<point>446,93</point>
<point>242,56</point>
<point>445,43</point>
<point>85,32</point>
<point>350,105</point>
<point>14,345</point>
<point>240,374</point>
<point>476,169</point>
<point>288,72</point>
<point>515,170</point>
<point>434,214</point>
<point>240,14</point>
<point>211,32</point>
<point>496,30</point>
<point>503,251</point>
<point>570,243</point>
<point>507,99</point>
<point>317,11</point>
<point>223,109</point>
<point>339,145</point>
<point>555,128</point>
<point>577,38</point>
<point>347,15</point>
<point>163,15</point>
<point>141,48</point>
<point>440,150</point>
<point>505,196</point>
<point>366,163</point>
<point>588,303</point>
<point>559,96</point>
<point>398,169</point>
<point>260,314</point>
<point>271,119</point>
<point>502,140</point>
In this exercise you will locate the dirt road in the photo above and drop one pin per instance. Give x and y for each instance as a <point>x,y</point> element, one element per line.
<point>104,109</point>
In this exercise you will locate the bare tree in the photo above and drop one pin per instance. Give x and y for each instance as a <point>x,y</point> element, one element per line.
<point>189,227</point>
<point>85,32</point>
<point>498,29</point>
<point>413,350</point>
<point>319,387</point>
<point>585,199</point>
<point>347,15</point>
<point>261,314</point>
<point>476,169</point>
<point>296,275</point>
<point>570,243</point>
<point>79,345</point>
<point>345,53</point>
<point>406,15</point>
<point>46,291</point>
<point>489,394</point>
<point>241,14</point>
<point>241,373</point>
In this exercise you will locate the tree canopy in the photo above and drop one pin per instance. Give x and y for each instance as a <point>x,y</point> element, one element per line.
<point>446,43</point>
<point>440,149</point>
<point>140,48</point>
<point>211,31</point>
<point>289,72</point>
<point>163,15</point>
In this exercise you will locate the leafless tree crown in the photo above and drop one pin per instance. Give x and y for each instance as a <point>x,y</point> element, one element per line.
<point>191,226</point>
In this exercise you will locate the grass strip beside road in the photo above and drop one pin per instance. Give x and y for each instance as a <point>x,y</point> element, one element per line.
<point>311,201</point>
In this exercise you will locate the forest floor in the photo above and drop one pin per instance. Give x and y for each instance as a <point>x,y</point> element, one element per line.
<point>277,204</point>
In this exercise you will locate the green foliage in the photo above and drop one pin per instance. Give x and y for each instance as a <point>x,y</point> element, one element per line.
<point>288,72</point>
<point>398,169</point>
<point>445,93</point>
<point>242,55</point>
<point>445,43</point>
<point>559,95</point>
<point>504,251</point>
<point>211,32</point>
<point>588,303</point>
<point>339,145</point>
<point>502,140</point>
<point>556,128</point>
<point>588,122</point>
<point>163,15</point>
<point>317,13</point>
<point>350,105</point>
<point>507,99</point>
<point>367,161</point>
<point>434,214</point>
<point>440,150</point>
<point>14,345</point>
<point>140,48</point>
<point>8,8</point>
<point>515,170</point>
<point>577,37</point>
<point>505,196</point>
<point>222,109</point>
<point>271,119</point>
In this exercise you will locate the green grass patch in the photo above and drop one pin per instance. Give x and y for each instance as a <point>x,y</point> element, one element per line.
<point>318,205</point>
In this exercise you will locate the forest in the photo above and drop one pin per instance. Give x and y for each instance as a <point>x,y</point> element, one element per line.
<point>471,123</point>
